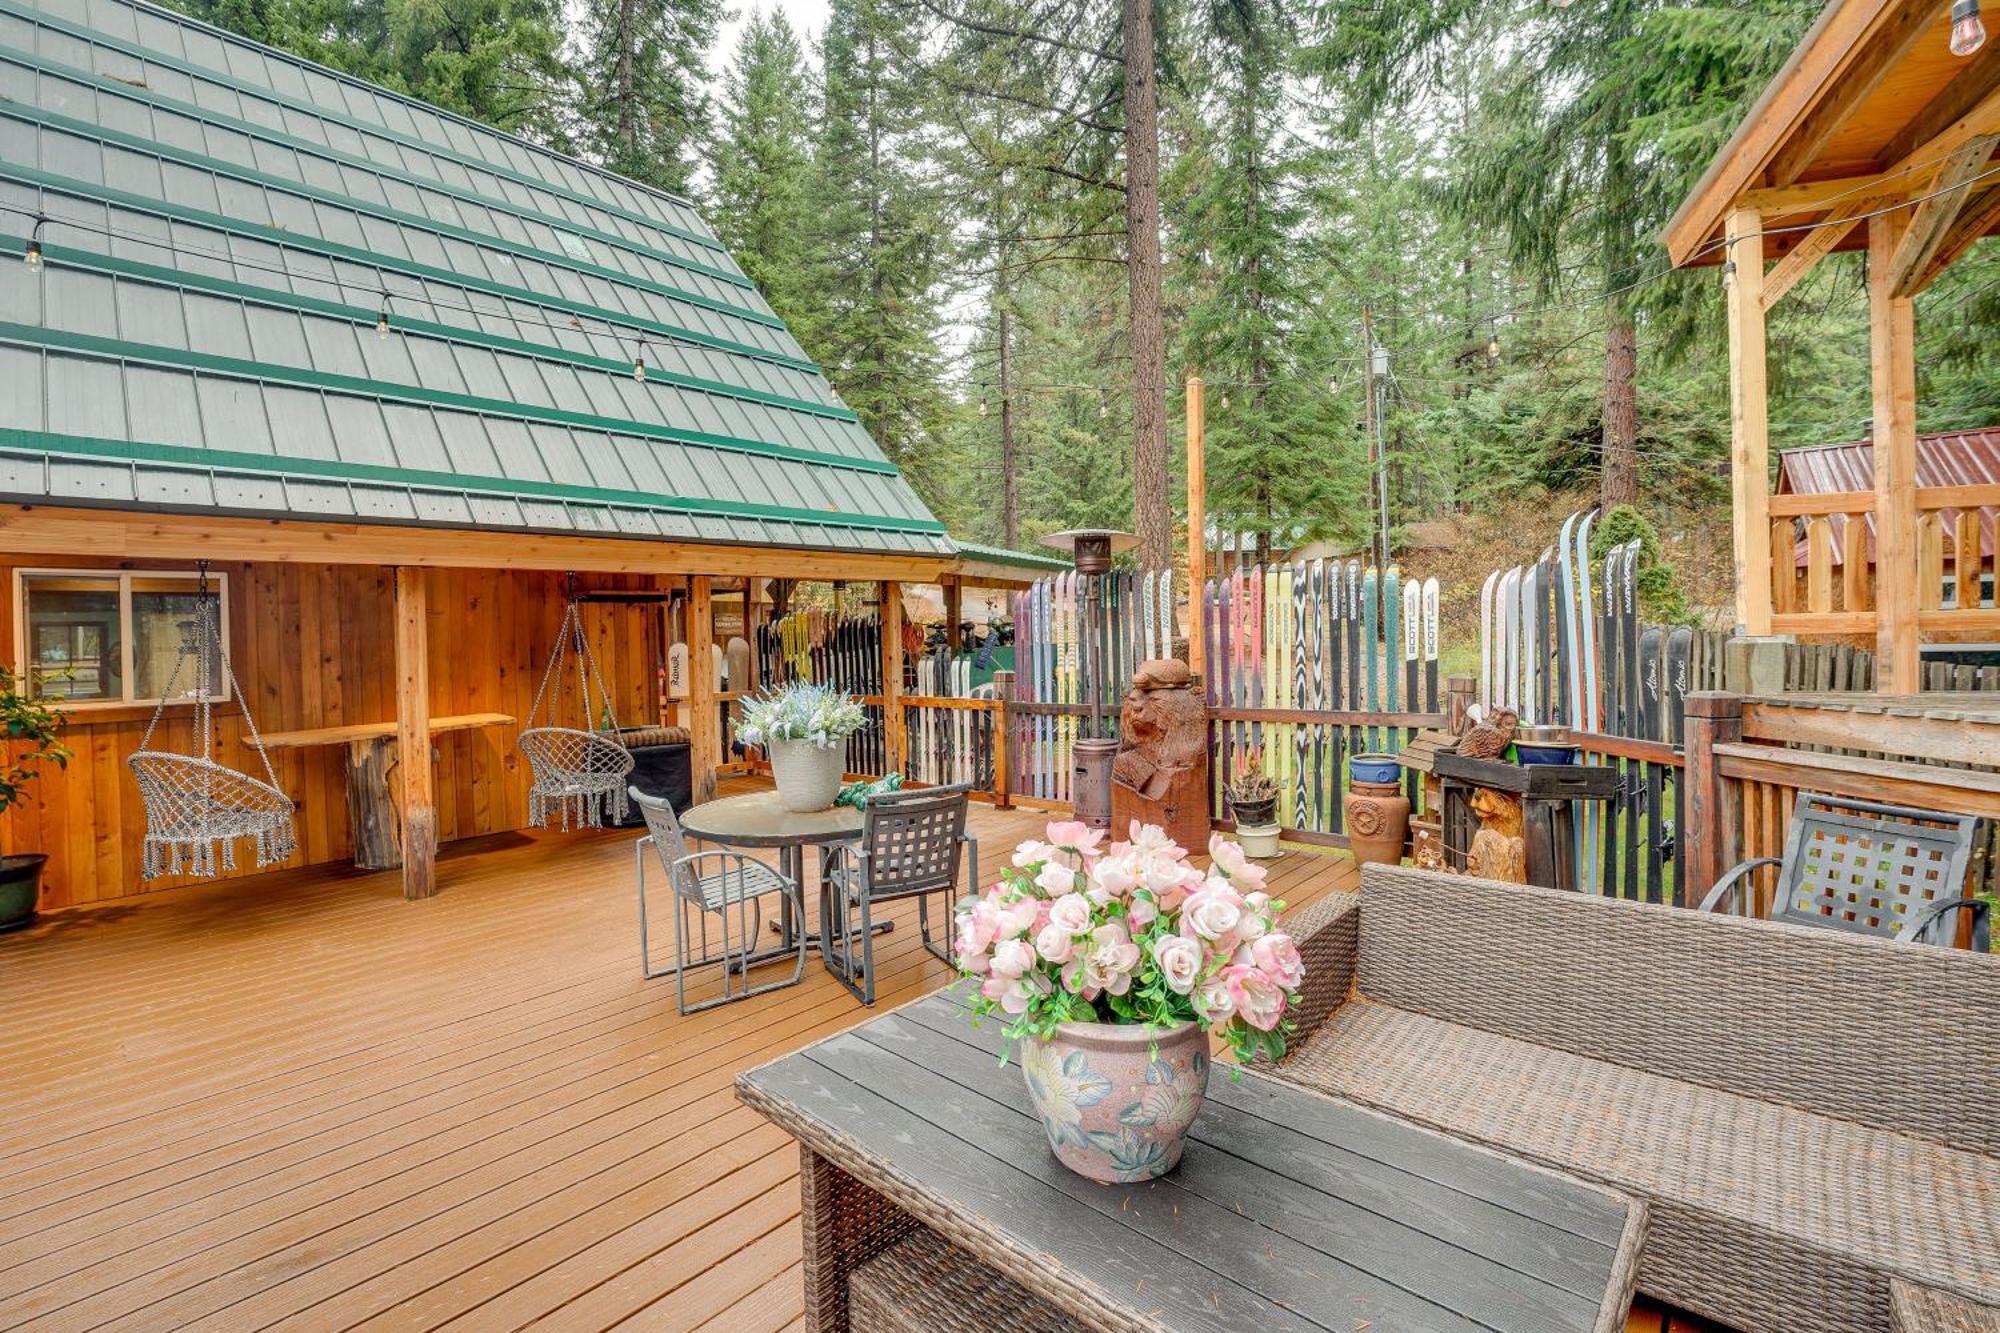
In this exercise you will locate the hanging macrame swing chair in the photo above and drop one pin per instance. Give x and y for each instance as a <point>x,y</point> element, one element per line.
<point>579,775</point>
<point>196,809</point>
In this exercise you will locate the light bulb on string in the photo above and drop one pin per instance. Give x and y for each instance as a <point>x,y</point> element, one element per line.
<point>1493,347</point>
<point>1103,409</point>
<point>639,362</point>
<point>982,407</point>
<point>33,256</point>
<point>1225,400</point>
<point>1968,34</point>
<point>382,318</point>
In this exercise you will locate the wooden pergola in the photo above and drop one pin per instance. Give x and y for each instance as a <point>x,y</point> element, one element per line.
<point>1874,137</point>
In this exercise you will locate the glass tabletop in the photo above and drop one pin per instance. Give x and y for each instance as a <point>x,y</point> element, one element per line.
<point>761,820</point>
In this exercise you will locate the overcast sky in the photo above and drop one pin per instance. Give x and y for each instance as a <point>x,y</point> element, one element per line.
<point>807,17</point>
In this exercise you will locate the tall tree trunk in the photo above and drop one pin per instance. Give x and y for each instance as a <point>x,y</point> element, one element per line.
<point>1152,509</point>
<point>1010,482</point>
<point>628,120</point>
<point>1618,483</point>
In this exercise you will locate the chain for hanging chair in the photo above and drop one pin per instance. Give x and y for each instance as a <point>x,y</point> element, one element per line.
<point>197,808</point>
<point>577,774</point>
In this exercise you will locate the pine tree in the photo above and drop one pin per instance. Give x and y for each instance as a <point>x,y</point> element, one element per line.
<point>766,192</point>
<point>646,112</point>
<point>880,227</point>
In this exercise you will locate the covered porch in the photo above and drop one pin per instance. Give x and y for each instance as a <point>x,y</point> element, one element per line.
<point>1876,136</point>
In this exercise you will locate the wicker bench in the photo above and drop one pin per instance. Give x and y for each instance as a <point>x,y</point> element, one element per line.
<point>922,1285</point>
<point>1810,1115</point>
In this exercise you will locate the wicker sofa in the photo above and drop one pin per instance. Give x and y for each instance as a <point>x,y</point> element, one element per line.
<point>1811,1115</point>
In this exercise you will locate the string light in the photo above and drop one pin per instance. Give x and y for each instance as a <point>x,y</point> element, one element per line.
<point>982,407</point>
<point>1968,34</point>
<point>1493,347</point>
<point>382,316</point>
<point>33,257</point>
<point>639,362</point>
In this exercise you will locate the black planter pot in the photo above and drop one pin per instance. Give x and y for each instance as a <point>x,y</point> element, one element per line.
<point>1254,814</point>
<point>20,886</point>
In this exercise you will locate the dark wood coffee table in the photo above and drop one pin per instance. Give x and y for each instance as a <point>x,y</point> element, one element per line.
<point>1289,1210</point>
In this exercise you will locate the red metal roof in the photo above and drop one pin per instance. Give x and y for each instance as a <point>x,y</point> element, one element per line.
<point>1944,458</point>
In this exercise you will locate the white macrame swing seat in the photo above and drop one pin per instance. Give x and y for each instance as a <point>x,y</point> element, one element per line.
<point>197,809</point>
<point>577,775</point>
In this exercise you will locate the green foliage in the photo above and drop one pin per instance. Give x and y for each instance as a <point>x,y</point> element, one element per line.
<point>646,111</point>
<point>1660,596</point>
<point>33,734</point>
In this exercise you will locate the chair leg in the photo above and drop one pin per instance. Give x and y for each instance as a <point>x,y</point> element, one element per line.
<point>867,954</point>
<point>924,926</point>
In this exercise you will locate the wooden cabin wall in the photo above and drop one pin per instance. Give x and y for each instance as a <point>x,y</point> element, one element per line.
<point>312,646</point>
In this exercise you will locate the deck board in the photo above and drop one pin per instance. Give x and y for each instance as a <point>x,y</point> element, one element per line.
<point>299,1101</point>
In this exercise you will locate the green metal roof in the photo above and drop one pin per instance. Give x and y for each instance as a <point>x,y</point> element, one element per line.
<point>1002,555</point>
<point>225,223</point>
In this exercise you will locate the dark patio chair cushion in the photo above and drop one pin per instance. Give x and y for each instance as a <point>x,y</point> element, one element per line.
<point>1763,1216</point>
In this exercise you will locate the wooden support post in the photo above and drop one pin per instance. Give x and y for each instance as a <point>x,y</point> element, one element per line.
<point>1459,693</point>
<point>954,612</point>
<point>413,734</point>
<point>1892,356</point>
<point>895,745</point>
<point>704,728</point>
<point>1749,426</point>
<point>1197,515</point>
<point>1003,741</point>
<point>1713,836</point>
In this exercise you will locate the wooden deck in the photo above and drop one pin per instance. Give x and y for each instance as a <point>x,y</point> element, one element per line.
<point>300,1101</point>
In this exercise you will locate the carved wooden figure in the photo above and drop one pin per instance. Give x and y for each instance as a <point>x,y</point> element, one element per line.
<point>1500,848</point>
<point>1161,773</point>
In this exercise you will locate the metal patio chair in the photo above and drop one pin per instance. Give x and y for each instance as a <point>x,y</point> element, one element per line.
<point>722,884</point>
<point>1867,868</point>
<point>910,847</point>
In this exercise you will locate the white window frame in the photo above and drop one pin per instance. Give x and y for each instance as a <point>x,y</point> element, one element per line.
<point>124,578</point>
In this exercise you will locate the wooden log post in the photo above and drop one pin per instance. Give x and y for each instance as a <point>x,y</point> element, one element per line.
<point>954,612</point>
<point>895,743</point>
<point>373,819</point>
<point>1197,520</point>
<point>1749,424</point>
<point>704,727</point>
<point>1459,693</point>
<point>1003,741</point>
<point>1892,358</point>
<point>413,734</point>
<point>1711,842</point>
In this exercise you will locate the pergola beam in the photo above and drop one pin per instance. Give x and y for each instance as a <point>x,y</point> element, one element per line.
<point>1974,84</point>
<point>1932,218</point>
<point>1981,215</point>
<point>1818,244</point>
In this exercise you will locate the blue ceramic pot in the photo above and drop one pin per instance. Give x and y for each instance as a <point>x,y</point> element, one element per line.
<point>1374,768</point>
<point>1545,754</point>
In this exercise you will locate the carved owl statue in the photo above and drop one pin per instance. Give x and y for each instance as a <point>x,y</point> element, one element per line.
<point>1489,737</point>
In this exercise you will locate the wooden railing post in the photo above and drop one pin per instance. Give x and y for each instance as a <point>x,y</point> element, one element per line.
<point>895,741</point>
<point>1711,841</point>
<point>1003,740</point>
<point>1459,693</point>
<point>413,734</point>
<point>704,725</point>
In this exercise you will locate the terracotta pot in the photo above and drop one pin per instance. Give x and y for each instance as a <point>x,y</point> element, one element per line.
<point>1378,822</point>
<point>1117,1099</point>
<point>807,777</point>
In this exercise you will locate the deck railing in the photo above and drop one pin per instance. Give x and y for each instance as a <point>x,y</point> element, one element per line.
<point>1832,590</point>
<point>1748,758</point>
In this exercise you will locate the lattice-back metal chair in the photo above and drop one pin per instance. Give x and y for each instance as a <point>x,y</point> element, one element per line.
<point>196,808</point>
<point>727,885</point>
<point>1868,868</point>
<point>911,846</point>
<point>578,774</point>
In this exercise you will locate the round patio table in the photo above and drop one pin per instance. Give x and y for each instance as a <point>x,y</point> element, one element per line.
<point>760,820</point>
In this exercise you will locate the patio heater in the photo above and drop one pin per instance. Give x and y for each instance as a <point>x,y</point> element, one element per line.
<point>1090,778</point>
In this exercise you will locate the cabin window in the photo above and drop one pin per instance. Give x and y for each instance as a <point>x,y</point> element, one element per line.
<point>90,636</point>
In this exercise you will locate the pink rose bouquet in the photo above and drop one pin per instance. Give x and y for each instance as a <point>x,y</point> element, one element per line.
<point>1079,932</point>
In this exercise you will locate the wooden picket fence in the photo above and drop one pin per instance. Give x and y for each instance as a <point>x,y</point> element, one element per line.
<point>1309,663</point>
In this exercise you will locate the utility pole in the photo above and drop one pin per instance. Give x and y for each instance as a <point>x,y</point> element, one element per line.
<point>1374,371</point>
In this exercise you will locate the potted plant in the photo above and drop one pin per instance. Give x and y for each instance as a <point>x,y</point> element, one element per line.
<point>30,730</point>
<point>1253,799</point>
<point>803,729</point>
<point>1112,966</point>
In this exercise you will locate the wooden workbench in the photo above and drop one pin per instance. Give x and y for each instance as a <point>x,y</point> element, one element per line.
<point>371,758</point>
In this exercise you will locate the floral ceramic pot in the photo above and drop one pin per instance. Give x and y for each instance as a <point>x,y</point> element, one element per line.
<point>807,777</point>
<point>1117,1099</point>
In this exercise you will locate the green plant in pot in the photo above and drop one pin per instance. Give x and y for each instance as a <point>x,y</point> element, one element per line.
<point>1253,799</point>
<point>803,729</point>
<point>32,737</point>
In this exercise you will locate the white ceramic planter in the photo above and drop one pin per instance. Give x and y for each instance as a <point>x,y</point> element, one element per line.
<point>1259,841</point>
<point>808,777</point>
